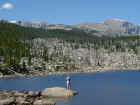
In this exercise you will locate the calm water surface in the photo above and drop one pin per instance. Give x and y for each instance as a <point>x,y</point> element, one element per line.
<point>112,88</point>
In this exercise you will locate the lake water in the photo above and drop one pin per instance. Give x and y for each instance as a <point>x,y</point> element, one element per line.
<point>111,88</point>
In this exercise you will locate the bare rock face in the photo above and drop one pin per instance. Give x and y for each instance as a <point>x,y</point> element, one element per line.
<point>58,92</point>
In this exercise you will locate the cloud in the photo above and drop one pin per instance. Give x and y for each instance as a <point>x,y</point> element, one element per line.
<point>7,6</point>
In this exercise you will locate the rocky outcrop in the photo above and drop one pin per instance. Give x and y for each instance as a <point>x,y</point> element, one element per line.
<point>23,98</point>
<point>111,27</point>
<point>58,92</point>
<point>34,97</point>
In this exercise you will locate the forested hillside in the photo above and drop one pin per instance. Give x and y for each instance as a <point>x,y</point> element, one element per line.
<point>24,49</point>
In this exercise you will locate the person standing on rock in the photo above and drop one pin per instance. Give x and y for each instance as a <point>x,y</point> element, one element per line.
<point>68,82</point>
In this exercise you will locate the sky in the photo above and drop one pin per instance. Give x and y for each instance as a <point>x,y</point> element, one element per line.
<point>70,11</point>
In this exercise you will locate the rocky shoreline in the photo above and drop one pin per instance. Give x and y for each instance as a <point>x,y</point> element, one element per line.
<point>34,97</point>
<point>88,70</point>
<point>23,98</point>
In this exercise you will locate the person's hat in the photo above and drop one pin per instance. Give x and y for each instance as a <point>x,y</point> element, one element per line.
<point>67,78</point>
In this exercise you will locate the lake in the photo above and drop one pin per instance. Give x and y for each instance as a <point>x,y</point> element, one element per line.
<point>110,88</point>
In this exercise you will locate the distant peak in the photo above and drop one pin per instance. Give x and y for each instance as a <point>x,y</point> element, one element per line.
<point>114,19</point>
<point>117,19</point>
<point>87,22</point>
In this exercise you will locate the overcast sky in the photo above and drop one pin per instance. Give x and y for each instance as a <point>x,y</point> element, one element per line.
<point>70,11</point>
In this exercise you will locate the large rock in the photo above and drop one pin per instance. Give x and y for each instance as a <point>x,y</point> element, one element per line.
<point>22,101</point>
<point>58,92</point>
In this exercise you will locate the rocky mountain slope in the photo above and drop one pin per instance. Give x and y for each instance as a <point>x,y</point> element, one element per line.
<point>44,25</point>
<point>109,27</point>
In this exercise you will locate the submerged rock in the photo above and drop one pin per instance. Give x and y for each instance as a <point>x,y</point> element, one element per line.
<point>58,92</point>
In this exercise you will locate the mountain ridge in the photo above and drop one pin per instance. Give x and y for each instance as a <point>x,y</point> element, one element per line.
<point>109,27</point>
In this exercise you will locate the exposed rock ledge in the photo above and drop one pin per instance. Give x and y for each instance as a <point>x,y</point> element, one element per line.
<point>34,97</point>
<point>58,92</point>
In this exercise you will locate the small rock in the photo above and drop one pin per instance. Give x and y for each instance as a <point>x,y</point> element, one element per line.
<point>43,102</point>
<point>1,75</point>
<point>19,94</point>
<point>21,100</point>
<point>7,101</point>
<point>34,94</point>
<point>6,93</point>
<point>31,93</point>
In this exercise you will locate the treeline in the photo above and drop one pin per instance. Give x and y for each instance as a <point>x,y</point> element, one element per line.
<point>12,49</point>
